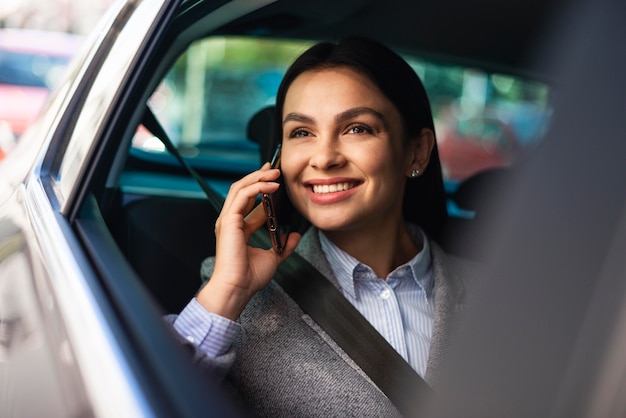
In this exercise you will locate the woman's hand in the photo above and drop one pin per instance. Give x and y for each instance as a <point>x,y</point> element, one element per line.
<point>241,270</point>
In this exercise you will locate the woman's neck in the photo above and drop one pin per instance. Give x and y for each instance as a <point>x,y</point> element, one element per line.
<point>382,249</point>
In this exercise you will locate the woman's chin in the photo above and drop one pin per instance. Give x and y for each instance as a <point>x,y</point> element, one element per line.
<point>330,224</point>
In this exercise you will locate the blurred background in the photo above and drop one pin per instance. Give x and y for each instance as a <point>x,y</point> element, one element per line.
<point>37,40</point>
<point>74,16</point>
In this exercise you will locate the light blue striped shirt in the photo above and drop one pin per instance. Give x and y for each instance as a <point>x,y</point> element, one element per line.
<point>401,307</point>
<point>211,333</point>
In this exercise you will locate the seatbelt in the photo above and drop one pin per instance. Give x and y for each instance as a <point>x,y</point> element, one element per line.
<point>323,302</point>
<point>152,124</point>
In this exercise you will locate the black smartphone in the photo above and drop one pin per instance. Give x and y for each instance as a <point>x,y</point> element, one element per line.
<point>278,210</point>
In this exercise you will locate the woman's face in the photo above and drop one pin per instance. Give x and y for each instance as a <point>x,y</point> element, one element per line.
<point>344,159</point>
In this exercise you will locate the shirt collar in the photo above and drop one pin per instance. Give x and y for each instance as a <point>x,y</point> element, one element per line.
<point>344,265</point>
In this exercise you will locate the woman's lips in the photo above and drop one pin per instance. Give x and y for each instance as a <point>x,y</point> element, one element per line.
<point>331,191</point>
<point>332,188</point>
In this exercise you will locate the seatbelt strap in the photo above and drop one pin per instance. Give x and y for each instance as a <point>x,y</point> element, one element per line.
<point>323,302</point>
<point>152,124</point>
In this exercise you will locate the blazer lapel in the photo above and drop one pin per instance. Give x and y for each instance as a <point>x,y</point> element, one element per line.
<point>310,249</point>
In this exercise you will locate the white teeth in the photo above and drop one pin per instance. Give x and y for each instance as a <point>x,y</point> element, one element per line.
<point>331,188</point>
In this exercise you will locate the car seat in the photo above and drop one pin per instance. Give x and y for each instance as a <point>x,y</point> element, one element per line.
<point>481,196</point>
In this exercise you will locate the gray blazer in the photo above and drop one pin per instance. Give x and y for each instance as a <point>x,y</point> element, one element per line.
<point>286,365</point>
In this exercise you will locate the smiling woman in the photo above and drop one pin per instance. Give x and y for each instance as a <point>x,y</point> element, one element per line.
<point>353,137</point>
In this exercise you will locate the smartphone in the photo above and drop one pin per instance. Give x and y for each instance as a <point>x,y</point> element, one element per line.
<point>278,210</point>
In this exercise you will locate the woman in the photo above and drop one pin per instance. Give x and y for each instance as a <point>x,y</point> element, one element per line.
<point>360,163</point>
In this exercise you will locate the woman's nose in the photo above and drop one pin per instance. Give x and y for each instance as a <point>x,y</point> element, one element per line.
<point>327,154</point>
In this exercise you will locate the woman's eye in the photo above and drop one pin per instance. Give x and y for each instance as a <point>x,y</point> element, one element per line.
<point>359,129</point>
<point>299,133</point>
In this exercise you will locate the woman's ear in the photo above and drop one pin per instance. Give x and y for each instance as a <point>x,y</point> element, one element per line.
<point>419,151</point>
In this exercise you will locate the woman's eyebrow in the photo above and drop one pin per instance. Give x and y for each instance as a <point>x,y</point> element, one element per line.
<point>358,111</point>
<point>298,117</point>
<point>341,117</point>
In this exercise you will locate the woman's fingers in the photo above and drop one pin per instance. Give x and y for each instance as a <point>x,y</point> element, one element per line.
<point>243,193</point>
<point>256,218</point>
<point>290,246</point>
<point>240,269</point>
<point>245,190</point>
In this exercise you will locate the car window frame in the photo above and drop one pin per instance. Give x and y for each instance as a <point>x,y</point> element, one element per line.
<point>76,141</point>
<point>82,300</point>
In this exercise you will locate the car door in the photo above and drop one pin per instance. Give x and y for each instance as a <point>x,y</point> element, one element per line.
<point>68,346</point>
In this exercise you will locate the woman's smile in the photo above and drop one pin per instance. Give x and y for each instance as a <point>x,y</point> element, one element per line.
<point>332,188</point>
<point>328,191</point>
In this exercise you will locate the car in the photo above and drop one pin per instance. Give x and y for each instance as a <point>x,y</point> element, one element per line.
<point>499,135</point>
<point>102,230</point>
<point>31,62</point>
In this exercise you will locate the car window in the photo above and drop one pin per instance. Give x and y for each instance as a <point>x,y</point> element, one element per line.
<point>210,94</point>
<point>483,120</point>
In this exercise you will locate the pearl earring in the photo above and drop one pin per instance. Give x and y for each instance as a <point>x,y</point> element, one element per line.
<point>414,173</point>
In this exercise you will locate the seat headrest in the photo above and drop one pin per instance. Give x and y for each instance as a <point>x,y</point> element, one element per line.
<point>261,129</point>
<point>477,191</point>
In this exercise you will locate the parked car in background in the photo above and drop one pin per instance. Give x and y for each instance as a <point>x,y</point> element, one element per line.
<point>102,231</point>
<point>493,135</point>
<point>31,62</point>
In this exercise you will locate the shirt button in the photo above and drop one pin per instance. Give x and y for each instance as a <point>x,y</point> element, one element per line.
<point>385,294</point>
<point>191,339</point>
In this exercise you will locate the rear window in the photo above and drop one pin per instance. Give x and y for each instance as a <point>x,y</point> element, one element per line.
<point>483,120</point>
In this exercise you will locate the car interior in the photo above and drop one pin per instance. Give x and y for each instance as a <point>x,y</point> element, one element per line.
<point>141,224</point>
<point>160,220</point>
<point>147,225</point>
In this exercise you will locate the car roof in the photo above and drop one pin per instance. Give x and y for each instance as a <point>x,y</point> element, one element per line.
<point>499,36</point>
<point>40,42</point>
